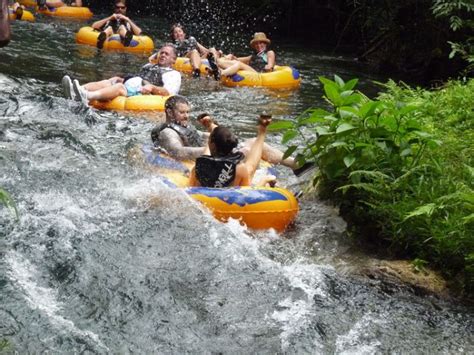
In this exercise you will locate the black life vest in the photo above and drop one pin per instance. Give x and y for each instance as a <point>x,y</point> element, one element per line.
<point>217,171</point>
<point>258,61</point>
<point>153,73</point>
<point>189,135</point>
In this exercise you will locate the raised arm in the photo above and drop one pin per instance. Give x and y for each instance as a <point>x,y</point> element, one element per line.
<point>271,61</point>
<point>135,29</point>
<point>203,51</point>
<point>153,59</point>
<point>99,24</point>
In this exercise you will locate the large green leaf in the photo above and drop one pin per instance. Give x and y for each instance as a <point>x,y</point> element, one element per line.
<point>321,130</point>
<point>326,81</point>
<point>280,125</point>
<point>368,108</point>
<point>288,136</point>
<point>347,111</point>
<point>349,160</point>
<point>339,81</point>
<point>350,84</point>
<point>345,127</point>
<point>351,99</point>
<point>332,94</point>
<point>289,151</point>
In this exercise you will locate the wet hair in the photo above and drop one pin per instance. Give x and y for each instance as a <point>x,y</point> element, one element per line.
<point>224,140</point>
<point>173,101</point>
<point>173,48</point>
<point>202,115</point>
<point>173,26</point>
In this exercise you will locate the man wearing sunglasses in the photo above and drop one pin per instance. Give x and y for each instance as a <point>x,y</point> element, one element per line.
<point>116,23</point>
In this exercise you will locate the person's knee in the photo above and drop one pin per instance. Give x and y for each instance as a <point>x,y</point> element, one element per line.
<point>122,30</point>
<point>121,89</point>
<point>115,80</point>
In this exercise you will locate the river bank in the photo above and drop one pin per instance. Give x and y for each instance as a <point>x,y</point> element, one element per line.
<point>401,169</point>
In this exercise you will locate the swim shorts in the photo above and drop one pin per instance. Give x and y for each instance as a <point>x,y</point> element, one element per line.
<point>134,86</point>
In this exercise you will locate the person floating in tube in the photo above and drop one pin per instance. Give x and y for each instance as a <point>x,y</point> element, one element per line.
<point>44,4</point>
<point>261,61</point>
<point>154,79</point>
<point>180,139</point>
<point>116,23</point>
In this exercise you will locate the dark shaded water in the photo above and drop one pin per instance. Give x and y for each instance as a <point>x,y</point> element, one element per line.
<point>91,267</point>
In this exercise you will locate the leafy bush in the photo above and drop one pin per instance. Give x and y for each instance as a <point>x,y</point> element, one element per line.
<point>459,13</point>
<point>400,166</point>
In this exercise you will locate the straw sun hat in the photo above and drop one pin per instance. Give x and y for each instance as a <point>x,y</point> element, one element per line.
<point>259,37</point>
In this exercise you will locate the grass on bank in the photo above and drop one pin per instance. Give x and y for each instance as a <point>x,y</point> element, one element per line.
<point>401,167</point>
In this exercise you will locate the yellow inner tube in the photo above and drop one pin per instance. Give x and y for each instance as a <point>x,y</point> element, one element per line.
<point>183,65</point>
<point>132,103</point>
<point>257,207</point>
<point>27,16</point>
<point>87,35</point>
<point>282,77</point>
<point>67,11</point>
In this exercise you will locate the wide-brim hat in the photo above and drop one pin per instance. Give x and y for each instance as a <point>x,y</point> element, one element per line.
<point>259,37</point>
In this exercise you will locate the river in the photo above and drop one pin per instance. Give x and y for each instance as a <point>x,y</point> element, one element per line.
<point>91,267</point>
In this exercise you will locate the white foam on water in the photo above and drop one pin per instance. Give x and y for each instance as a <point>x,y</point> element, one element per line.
<point>68,214</point>
<point>55,201</point>
<point>354,341</point>
<point>151,187</point>
<point>5,81</point>
<point>293,315</point>
<point>23,274</point>
<point>297,314</point>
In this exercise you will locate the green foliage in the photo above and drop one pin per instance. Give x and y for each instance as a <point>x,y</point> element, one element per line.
<point>403,164</point>
<point>419,264</point>
<point>6,200</point>
<point>460,14</point>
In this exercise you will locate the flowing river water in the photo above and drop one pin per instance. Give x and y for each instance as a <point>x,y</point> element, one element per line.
<point>91,267</point>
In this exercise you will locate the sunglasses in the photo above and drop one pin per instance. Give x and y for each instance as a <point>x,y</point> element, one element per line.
<point>120,7</point>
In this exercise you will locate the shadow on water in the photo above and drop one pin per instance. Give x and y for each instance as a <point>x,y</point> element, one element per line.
<point>92,267</point>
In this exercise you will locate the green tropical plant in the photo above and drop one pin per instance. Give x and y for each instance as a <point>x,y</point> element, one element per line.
<point>400,166</point>
<point>459,14</point>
